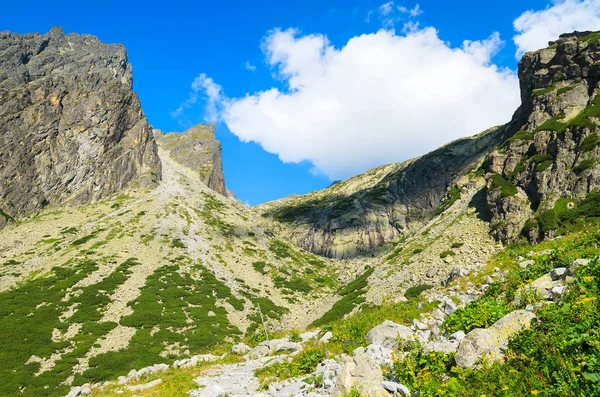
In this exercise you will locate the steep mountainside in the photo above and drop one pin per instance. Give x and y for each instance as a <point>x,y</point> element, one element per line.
<point>547,152</point>
<point>71,127</point>
<point>555,153</point>
<point>198,150</point>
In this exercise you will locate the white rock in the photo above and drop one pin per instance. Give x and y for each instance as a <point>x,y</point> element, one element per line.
<point>145,386</point>
<point>381,355</point>
<point>325,338</point>
<point>122,380</point>
<point>449,307</point>
<point>458,336</point>
<point>419,325</point>
<point>240,348</point>
<point>557,274</point>
<point>396,388</point>
<point>526,264</point>
<point>132,374</point>
<point>388,334</point>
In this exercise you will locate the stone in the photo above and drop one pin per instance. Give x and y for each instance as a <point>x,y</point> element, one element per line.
<point>72,127</point>
<point>325,338</point>
<point>489,344</point>
<point>442,346</point>
<point>240,348</point>
<point>457,336</point>
<point>579,262</point>
<point>449,307</point>
<point>396,389</point>
<point>121,380</point>
<point>526,264</point>
<point>132,374</point>
<point>419,325</point>
<point>558,273</point>
<point>388,333</point>
<point>199,150</point>
<point>145,386</point>
<point>558,291</point>
<point>363,373</point>
<point>380,354</point>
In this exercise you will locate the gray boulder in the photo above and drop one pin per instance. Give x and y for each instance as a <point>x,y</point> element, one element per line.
<point>489,344</point>
<point>388,333</point>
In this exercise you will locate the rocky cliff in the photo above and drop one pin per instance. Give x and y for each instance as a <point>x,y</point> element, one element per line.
<point>198,150</point>
<point>547,152</point>
<point>71,127</point>
<point>554,154</point>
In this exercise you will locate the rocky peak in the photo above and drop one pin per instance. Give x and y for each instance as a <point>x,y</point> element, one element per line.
<point>199,150</point>
<point>71,127</point>
<point>554,151</point>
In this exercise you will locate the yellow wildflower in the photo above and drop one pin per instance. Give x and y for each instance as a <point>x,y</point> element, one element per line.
<point>535,392</point>
<point>505,388</point>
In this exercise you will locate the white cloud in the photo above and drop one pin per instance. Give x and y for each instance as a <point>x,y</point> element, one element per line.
<point>381,98</point>
<point>249,66</point>
<point>535,28</point>
<point>388,14</point>
<point>386,8</point>
<point>212,94</point>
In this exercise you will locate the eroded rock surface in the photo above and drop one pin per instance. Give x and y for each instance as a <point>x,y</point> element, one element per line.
<point>71,127</point>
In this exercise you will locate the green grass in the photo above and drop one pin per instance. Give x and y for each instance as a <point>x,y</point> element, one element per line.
<point>558,356</point>
<point>452,196</point>
<point>415,291</point>
<point>590,142</point>
<point>583,119</point>
<point>84,239</point>
<point>584,165</point>
<point>6,217</point>
<point>169,298</point>
<point>566,89</point>
<point>520,135</point>
<point>302,364</point>
<point>352,295</point>
<point>508,189</point>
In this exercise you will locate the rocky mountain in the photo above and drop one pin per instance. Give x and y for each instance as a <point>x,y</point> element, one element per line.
<point>553,156</point>
<point>197,149</point>
<point>126,268</point>
<point>547,152</point>
<point>71,128</point>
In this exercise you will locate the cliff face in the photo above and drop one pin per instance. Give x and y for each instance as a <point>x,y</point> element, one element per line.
<point>547,152</point>
<point>71,127</point>
<point>555,153</point>
<point>198,150</point>
<point>386,203</point>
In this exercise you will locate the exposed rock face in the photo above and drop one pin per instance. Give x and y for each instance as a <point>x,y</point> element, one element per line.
<point>198,150</point>
<point>489,344</point>
<point>71,127</point>
<point>555,153</point>
<point>549,150</point>
<point>395,202</point>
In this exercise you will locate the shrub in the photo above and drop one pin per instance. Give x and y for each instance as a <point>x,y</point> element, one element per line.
<point>507,188</point>
<point>478,314</point>
<point>584,165</point>
<point>414,292</point>
<point>590,142</point>
<point>457,245</point>
<point>445,254</point>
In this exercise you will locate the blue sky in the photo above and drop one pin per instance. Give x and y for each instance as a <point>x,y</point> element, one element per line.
<point>171,44</point>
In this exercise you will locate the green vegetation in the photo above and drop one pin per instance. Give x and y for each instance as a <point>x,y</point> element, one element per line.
<point>160,314</point>
<point>520,135</point>
<point>308,209</point>
<point>260,267</point>
<point>507,188</point>
<point>558,356</point>
<point>566,89</point>
<point>565,220</point>
<point>544,91</point>
<point>583,119</point>
<point>584,165</point>
<point>445,254</point>
<point>352,295</point>
<point>415,291</point>
<point>303,364</point>
<point>479,314</point>
<point>28,325</point>
<point>84,239</point>
<point>590,142</point>
<point>350,332</point>
<point>457,245</point>
<point>452,196</point>
<point>6,217</point>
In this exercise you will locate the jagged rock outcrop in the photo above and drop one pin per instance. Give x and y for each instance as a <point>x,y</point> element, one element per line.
<point>198,150</point>
<point>554,154</point>
<point>71,127</point>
